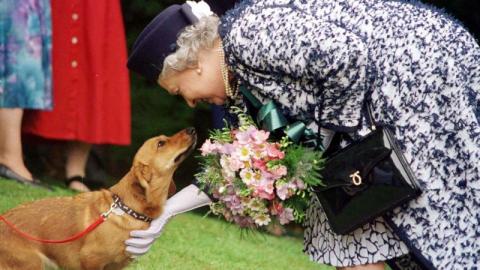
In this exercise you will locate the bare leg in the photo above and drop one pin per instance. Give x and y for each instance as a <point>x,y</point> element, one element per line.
<point>77,156</point>
<point>373,266</point>
<point>11,154</point>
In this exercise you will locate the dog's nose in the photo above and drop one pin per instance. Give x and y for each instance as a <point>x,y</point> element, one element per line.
<point>191,130</point>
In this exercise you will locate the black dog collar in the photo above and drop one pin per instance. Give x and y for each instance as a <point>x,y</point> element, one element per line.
<point>119,203</point>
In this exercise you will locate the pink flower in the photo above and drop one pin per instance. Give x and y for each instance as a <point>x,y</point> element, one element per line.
<point>264,195</point>
<point>285,190</point>
<point>227,149</point>
<point>234,204</point>
<point>243,153</point>
<point>247,176</point>
<point>259,136</point>
<point>259,164</point>
<point>276,207</point>
<point>286,216</point>
<point>282,191</point>
<point>299,184</point>
<point>208,147</point>
<point>244,137</point>
<point>231,164</point>
<point>227,172</point>
<point>243,221</point>
<point>235,164</point>
<point>267,185</point>
<point>264,189</point>
<point>279,171</point>
<point>274,152</point>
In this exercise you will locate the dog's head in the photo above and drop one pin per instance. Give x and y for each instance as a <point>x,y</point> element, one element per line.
<point>158,158</point>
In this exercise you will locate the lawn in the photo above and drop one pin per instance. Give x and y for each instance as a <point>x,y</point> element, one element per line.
<point>191,241</point>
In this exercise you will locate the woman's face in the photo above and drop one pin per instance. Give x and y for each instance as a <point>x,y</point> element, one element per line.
<point>203,83</point>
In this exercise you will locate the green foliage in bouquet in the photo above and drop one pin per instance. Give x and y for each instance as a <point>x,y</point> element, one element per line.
<point>303,163</point>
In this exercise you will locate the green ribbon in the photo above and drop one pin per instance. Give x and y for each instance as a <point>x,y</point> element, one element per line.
<point>270,118</point>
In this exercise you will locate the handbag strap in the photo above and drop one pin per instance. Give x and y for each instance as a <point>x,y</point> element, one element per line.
<point>370,118</point>
<point>344,136</point>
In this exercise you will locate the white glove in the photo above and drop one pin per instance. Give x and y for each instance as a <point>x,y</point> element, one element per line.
<point>185,200</point>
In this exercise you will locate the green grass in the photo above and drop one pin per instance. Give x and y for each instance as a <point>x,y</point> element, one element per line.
<point>191,241</point>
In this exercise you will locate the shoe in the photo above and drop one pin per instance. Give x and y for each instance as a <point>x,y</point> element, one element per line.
<point>7,173</point>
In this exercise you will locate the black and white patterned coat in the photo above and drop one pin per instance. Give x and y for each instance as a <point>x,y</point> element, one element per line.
<point>322,60</point>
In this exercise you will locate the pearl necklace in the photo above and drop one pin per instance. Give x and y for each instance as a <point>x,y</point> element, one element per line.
<point>226,81</point>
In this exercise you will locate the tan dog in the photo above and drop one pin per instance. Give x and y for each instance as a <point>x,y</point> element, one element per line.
<point>144,189</point>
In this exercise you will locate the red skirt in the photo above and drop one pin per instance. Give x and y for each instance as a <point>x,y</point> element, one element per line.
<point>91,88</point>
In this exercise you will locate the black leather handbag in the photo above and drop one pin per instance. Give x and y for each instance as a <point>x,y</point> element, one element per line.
<point>364,180</point>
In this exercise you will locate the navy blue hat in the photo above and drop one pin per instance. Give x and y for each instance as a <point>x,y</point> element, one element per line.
<point>158,40</point>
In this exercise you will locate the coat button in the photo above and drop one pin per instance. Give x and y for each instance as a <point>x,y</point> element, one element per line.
<point>74,40</point>
<point>75,16</point>
<point>74,64</point>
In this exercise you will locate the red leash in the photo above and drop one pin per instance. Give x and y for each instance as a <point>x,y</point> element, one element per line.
<point>90,228</point>
<point>72,238</point>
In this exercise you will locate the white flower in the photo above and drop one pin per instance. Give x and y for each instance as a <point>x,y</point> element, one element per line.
<point>243,153</point>
<point>262,219</point>
<point>247,176</point>
<point>200,9</point>
<point>257,206</point>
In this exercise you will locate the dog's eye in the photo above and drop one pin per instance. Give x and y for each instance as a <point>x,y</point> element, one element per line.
<point>160,144</point>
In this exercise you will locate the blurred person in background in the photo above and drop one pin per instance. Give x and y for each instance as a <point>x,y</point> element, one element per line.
<point>90,84</point>
<point>25,77</point>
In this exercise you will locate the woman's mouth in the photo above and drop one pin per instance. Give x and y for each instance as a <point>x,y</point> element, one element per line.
<point>215,101</point>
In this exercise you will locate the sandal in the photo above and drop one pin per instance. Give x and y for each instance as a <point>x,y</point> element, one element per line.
<point>8,173</point>
<point>77,178</point>
<point>87,182</point>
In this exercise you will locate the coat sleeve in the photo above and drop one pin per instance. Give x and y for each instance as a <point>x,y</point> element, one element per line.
<point>287,42</point>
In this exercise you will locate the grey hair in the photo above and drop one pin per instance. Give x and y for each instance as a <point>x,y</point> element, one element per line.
<point>201,35</point>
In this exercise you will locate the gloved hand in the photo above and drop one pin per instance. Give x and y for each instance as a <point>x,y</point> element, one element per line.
<point>185,200</point>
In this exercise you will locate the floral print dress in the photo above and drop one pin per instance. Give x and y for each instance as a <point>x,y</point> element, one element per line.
<point>25,51</point>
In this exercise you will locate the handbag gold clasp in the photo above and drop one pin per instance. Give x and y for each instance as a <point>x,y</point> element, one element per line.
<point>356,178</point>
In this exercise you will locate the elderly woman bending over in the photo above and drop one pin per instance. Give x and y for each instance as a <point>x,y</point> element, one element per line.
<point>321,61</point>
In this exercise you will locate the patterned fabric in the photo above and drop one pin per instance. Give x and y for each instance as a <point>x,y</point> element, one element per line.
<point>321,60</point>
<point>25,49</point>
<point>372,243</point>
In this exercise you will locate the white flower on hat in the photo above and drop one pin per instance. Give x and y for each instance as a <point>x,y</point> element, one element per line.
<point>200,9</point>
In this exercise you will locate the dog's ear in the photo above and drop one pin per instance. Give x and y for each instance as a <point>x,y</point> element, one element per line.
<point>143,174</point>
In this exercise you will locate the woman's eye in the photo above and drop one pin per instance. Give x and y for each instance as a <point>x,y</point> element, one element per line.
<point>160,143</point>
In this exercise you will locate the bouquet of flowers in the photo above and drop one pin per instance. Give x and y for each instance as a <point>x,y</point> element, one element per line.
<point>256,180</point>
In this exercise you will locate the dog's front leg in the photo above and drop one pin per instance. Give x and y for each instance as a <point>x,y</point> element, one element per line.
<point>93,259</point>
<point>20,259</point>
<point>92,262</point>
